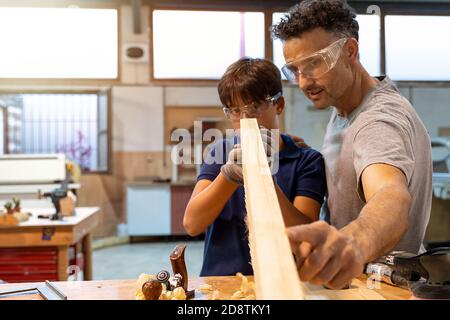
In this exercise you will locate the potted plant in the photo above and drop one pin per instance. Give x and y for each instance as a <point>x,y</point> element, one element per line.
<point>16,205</point>
<point>9,207</point>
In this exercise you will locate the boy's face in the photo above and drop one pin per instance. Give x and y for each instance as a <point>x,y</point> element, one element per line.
<point>267,118</point>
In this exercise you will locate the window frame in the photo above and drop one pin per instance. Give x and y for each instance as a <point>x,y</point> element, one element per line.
<point>98,92</point>
<point>270,7</point>
<point>188,81</point>
<point>72,81</point>
<point>421,83</point>
<point>407,8</point>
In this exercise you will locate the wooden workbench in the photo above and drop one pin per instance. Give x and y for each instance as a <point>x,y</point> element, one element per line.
<point>43,233</point>
<point>125,289</point>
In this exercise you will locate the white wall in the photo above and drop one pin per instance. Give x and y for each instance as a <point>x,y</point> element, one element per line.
<point>192,96</point>
<point>138,118</point>
<point>134,73</point>
<point>433,107</point>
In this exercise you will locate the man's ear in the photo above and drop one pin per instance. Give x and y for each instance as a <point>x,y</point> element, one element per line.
<point>352,50</point>
<point>280,105</point>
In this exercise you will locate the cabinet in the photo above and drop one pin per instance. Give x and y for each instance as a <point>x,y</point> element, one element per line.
<point>180,196</point>
<point>157,209</point>
<point>148,208</point>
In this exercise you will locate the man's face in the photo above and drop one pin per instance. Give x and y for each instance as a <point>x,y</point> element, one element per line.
<point>329,88</point>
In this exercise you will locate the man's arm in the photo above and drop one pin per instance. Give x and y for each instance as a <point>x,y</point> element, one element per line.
<point>207,201</point>
<point>384,219</point>
<point>334,257</point>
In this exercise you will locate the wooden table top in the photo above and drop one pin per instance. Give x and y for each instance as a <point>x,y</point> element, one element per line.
<point>66,232</point>
<point>81,213</point>
<point>125,289</point>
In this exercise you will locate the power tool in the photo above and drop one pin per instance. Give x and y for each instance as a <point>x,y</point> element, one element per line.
<point>427,275</point>
<point>58,196</point>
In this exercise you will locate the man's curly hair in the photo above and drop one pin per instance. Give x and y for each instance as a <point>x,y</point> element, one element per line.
<point>332,15</point>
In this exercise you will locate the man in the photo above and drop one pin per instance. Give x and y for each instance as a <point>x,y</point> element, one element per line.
<point>376,149</point>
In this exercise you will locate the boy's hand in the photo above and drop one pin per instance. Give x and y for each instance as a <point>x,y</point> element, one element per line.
<point>232,170</point>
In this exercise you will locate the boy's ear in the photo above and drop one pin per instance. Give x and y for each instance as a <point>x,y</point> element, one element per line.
<point>280,105</point>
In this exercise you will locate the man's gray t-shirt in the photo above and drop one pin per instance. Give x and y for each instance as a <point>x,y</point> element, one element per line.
<point>384,129</point>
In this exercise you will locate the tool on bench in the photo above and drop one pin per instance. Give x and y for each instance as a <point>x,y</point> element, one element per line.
<point>47,291</point>
<point>179,269</point>
<point>427,275</point>
<point>152,289</point>
<point>62,199</point>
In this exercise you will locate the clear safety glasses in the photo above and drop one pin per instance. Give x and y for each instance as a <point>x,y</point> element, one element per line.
<point>315,65</point>
<point>252,110</point>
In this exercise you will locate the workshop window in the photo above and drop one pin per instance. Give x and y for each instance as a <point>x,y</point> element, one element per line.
<point>410,39</point>
<point>58,43</point>
<point>75,124</point>
<point>202,44</point>
<point>369,43</point>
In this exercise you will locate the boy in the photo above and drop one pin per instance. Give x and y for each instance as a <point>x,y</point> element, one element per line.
<point>250,88</point>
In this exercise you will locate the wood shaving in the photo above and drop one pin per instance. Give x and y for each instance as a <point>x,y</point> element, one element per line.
<point>140,296</point>
<point>247,289</point>
<point>206,288</point>
<point>238,295</point>
<point>215,295</point>
<point>178,294</point>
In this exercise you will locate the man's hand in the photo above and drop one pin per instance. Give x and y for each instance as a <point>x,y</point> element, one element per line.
<point>325,255</point>
<point>300,142</point>
<point>232,170</point>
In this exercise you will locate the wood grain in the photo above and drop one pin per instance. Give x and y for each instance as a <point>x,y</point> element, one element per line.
<point>273,264</point>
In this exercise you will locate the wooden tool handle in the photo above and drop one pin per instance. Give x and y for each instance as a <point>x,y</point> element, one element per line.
<point>179,265</point>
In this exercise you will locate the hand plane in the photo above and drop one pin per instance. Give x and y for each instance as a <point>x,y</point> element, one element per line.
<point>180,275</point>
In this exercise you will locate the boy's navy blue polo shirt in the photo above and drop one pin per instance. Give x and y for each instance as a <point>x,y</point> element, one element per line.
<point>301,173</point>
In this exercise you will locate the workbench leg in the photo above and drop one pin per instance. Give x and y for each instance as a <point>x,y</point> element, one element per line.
<point>87,254</point>
<point>63,262</point>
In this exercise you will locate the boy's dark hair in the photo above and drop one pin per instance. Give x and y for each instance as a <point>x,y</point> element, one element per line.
<point>251,79</point>
<point>332,15</point>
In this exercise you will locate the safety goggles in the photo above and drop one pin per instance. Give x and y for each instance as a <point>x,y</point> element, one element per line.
<point>315,65</point>
<point>252,110</point>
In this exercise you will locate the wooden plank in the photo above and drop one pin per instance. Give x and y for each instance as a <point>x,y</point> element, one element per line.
<point>274,268</point>
<point>275,273</point>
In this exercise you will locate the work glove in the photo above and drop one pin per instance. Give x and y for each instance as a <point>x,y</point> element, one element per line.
<point>232,169</point>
